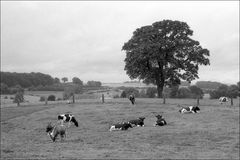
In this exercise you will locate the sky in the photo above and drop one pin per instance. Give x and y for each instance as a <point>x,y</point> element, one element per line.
<point>84,39</point>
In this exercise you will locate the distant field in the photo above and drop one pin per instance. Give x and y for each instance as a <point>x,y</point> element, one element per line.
<point>211,134</point>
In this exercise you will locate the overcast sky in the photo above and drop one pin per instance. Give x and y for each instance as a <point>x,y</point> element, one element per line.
<point>84,39</point>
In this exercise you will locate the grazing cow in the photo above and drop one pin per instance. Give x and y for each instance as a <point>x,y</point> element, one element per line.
<point>137,122</point>
<point>53,132</point>
<point>190,109</point>
<point>132,99</point>
<point>223,100</point>
<point>120,126</point>
<point>68,118</point>
<point>160,121</point>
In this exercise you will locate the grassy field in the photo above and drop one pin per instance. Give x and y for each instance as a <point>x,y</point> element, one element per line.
<point>211,134</point>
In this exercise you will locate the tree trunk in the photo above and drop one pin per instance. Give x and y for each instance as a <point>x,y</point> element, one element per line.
<point>18,104</point>
<point>231,101</point>
<point>197,100</point>
<point>46,100</point>
<point>164,99</point>
<point>102,98</point>
<point>160,90</point>
<point>73,98</point>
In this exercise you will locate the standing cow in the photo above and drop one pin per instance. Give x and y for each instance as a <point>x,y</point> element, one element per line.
<point>132,99</point>
<point>67,118</point>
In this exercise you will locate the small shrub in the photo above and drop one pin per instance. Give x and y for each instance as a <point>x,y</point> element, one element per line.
<point>42,99</point>
<point>59,99</point>
<point>116,96</point>
<point>6,97</point>
<point>123,94</point>
<point>151,91</point>
<point>51,98</point>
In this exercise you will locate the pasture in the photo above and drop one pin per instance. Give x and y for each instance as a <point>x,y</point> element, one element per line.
<point>211,134</point>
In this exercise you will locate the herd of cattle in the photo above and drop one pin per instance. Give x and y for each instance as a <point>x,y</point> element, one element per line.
<point>60,129</point>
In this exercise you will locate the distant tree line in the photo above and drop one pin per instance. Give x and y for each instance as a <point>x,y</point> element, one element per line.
<point>173,92</point>
<point>208,86</point>
<point>11,81</point>
<point>26,79</point>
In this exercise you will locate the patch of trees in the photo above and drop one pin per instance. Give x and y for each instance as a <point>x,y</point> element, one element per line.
<point>76,80</point>
<point>26,79</point>
<point>41,82</point>
<point>94,84</point>
<point>208,86</point>
<point>232,91</point>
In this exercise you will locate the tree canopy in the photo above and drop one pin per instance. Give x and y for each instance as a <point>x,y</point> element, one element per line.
<point>164,53</point>
<point>76,80</point>
<point>26,79</point>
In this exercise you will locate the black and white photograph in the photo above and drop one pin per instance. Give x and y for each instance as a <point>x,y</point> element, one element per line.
<point>119,80</point>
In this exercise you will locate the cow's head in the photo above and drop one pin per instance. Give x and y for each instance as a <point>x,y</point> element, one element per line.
<point>159,116</point>
<point>74,121</point>
<point>196,109</point>
<point>49,128</point>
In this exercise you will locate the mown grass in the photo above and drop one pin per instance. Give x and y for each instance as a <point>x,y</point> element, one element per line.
<point>211,134</point>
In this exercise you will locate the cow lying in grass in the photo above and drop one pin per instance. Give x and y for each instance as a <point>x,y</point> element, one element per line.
<point>120,126</point>
<point>190,109</point>
<point>137,122</point>
<point>54,131</point>
<point>223,100</point>
<point>67,118</point>
<point>160,121</point>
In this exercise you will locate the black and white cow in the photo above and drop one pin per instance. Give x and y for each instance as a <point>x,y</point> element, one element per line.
<point>223,100</point>
<point>190,109</point>
<point>137,122</point>
<point>120,126</point>
<point>54,131</point>
<point>67,118</point>
<point>160,121</point>
<point>132,99</point>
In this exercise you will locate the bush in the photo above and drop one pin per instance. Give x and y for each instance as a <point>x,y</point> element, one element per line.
<point>116,96</point>
<point>151,92</point>
<point>123,94</point>
<point>131,90</point>
<point>142,93</point>
<point>18,98</point>
<point>4,88</point>
<point>196,92</point>
<point>174,91</point>
<point>224,90</point>
<point>184,93</point>
<point>51,98</point>
<point>42,99</point>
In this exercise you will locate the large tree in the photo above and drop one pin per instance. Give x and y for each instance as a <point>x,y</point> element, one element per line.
<point>164,54</point>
